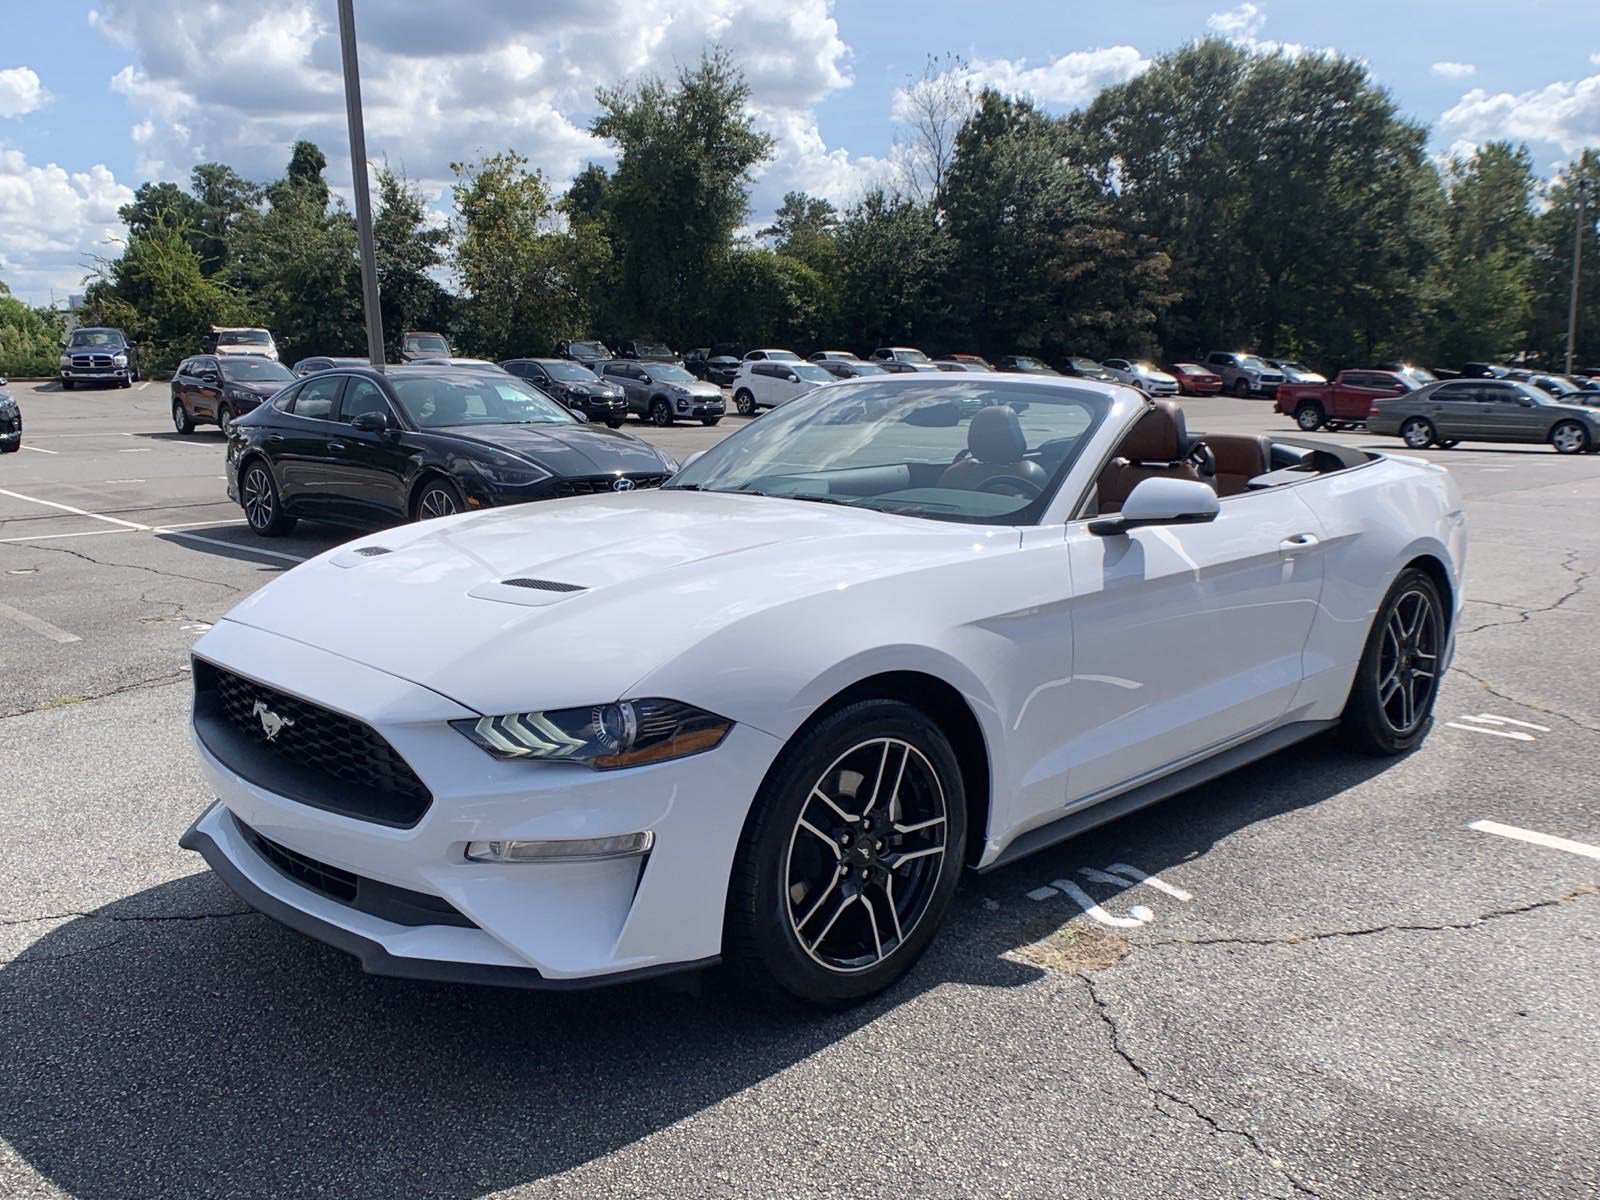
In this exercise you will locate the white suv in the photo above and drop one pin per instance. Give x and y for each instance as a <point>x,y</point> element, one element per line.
<point>767,383</point>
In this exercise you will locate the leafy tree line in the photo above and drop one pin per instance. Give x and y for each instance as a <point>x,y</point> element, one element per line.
<point>1220,199</point>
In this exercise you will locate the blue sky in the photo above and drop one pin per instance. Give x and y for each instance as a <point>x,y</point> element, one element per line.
<point>95,98</point>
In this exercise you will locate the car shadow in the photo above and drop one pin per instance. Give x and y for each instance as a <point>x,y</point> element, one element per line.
<point>237,542</point>
<point>172,435</point>
<point>174,1044</point>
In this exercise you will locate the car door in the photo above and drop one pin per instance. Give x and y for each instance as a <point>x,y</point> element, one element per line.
<point>1455,410</point>
<point>367,472</point>
<point>1186,637</point>
<point>298,445</point>
<point>633,384</point>
<point>204,387</point>
<point>1509,414</point>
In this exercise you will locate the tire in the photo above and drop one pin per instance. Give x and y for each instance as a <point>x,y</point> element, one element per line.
<point>126,382</point>
<point>613,424</point>
<point>437,498</point>
<point>181,420</point>
<point>710,422</point>
<point>1309,416</point>
<point>1418,433</point>
<point>258,496</point>
<point>660,413</point>
<point>1241,388</point>
<point>1568,437</point>
<point>10,447</point>
<point>788,878</point>
<point>225,420</point>
<point>745,403</point>
<point>67,385</point>
<point>1408,635</point>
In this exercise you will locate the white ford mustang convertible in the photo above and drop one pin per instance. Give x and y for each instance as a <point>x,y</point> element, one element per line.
<point>769,712</point>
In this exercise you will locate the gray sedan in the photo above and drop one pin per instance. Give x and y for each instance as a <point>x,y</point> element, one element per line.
<point>1485,410</point>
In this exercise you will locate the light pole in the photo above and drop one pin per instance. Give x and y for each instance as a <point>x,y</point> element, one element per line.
<point>1583,186</point>
<point>358,171</point>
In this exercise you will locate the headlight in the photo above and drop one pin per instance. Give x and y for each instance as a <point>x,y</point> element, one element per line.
<point>604,737</point>
<point>119,360</point>
<point>8,407</point>
<point>66,360</point>
<point>581,389</point>
<point>512,474</point>
<point>240,397</point>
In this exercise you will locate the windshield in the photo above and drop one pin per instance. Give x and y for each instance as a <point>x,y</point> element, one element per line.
<point>569,372</point>
<point>871,444</point>
<point>436,401</point>
<point>589,349</point>
<point>911,356</point>
<point>254,370</point>
<point>1084,364</point>
<point>244,337</point>
<point>1251,361</point>
<point>1030,364</point>
<point>653,350</point>
<point>82,338</point>
<point>427,343</point>
<point>670,374</point>
<point>812,373</point>
<point>783,356</point>
<point>863,368</point>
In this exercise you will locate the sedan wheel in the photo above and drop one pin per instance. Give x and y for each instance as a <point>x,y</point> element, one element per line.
<point>437,499</point>
<point>1391,703</point>
<point>850,856</point>
<point>1418,433</point>
<point>745,403</point>
<point>258,493</point>
<point>1569,438</point>
<point>180,418</point>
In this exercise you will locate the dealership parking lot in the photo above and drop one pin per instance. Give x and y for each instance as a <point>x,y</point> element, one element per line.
<point>1320,976</point>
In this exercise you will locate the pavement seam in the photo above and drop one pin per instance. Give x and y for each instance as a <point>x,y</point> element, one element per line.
<point>1296,939</point>
<point>1159,1094</point>
<point>97,916</point>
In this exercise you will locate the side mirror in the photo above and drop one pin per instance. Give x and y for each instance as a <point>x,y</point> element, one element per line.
<point>790,377</point>
<point>582,418</point>
<point>690,460</point>
<point>370,422</point>
<point>210,377</point>
<point>1161,502</point>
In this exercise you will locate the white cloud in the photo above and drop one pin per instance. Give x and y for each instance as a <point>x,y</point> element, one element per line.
<point>20,91</point>
<point>1453,70</point>
<point>52,222</point>
<point>1243,25</point>
<point>1565,114</point>
<point>1069,80</point>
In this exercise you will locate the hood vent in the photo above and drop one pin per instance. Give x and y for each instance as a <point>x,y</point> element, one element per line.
<point>543,585</point>
<point>371,551</point>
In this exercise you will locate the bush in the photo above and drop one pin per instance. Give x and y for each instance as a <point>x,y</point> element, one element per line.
<point>30,339</point>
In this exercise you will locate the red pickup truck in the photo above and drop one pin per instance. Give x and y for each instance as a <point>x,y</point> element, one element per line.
<point>1344,402</point>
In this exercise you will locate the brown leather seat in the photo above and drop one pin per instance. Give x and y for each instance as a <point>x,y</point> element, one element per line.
<point>1240,457</point>
<point>1157,447</point>
<point>995,449</point>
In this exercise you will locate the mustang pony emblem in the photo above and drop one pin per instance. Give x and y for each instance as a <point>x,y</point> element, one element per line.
<point>271,723</point>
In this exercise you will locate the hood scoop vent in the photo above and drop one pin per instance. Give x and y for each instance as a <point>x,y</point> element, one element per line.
<point>528,591</point>
<point>543,585</point>
<point>370,551</point>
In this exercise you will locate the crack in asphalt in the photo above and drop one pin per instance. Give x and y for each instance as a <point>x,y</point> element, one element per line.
<point>1296,939</point>
<point>133,920</point>
<point>99,562</point>
<point>1529,704</point>
<point>72,701</point>
<point>1161,1096</point>
<point>1524,615</point>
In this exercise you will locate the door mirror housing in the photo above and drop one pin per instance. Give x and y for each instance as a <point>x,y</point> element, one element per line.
<point>209,377</point>
<point>790,377</point>
<point>582,418</point>
<point>1161,502</point>
<point>370,422</point>
<point>690,460</point>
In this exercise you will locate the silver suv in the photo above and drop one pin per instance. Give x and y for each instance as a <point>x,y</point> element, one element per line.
<point>1245,374</point>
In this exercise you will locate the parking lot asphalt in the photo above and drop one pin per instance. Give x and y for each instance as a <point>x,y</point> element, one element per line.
<point>1334,986</point>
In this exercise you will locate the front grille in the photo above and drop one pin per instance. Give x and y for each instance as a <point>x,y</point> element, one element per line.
<point>543,585</point>
<point>600,484</point>
<point>303,751</point>
<point>402,906</point>
<point>91,362</point>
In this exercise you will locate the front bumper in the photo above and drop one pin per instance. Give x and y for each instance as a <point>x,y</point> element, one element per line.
<point>541,924</point>
<point>95,374</point>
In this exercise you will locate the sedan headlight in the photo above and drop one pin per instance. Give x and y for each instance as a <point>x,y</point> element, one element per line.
<point>512,474</point>
<point>605,737</point>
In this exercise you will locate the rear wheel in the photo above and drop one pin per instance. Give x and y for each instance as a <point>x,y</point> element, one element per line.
<point>1419,433</point>
<point>1449,443</point>
<point>1569,438</point>
<point>1308,416</point>
<point>745,403</point>
<point>660,412</point>
<point>438,498</point>
<point>258,494</point>
<point>1391,702</point>
<point>850,856</point>
<point>181,420</point>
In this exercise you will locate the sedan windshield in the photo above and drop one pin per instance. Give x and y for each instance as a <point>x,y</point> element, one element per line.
<point>437,401</point>
<point>911,356</point>
<point>670,374</point>
<point>783,356</point>
<point>1084,364</point>
<point>254,370</point>
<point>569,372</point>
<point>949,448</point>
<point>653,350</point>
<point>1252,362</point>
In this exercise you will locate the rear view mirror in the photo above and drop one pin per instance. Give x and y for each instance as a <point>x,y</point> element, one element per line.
<point>1161,502</point>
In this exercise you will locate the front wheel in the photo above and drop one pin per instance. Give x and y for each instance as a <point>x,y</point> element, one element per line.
<point>1308,416</point>
<point>1569,438</point>
<point>225,420</point>
<point>438,498</point>
<point>614,424</point>
<point>660,413</point>
<point>850,856</point>
<point>258,493</point>
<point>745,403</point>
<point>1391,702</point>
<point>1241,388</point>
<point>1418,433</point>
<point>67,385</point>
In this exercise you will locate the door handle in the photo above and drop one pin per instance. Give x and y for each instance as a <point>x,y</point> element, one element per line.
<point>1298,544</point>
<point>336,447</point>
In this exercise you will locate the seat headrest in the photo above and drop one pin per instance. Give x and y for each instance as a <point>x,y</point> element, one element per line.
<point>1160,436</point>
<point>995,435</point>
<point>1241,454</point>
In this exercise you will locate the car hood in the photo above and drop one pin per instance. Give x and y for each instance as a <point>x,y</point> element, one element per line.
<point>261,388</point>
<point>656,573</point>
<point>564,449</point>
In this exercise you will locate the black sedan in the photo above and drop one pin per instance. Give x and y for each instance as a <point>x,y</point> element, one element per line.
<point>362,448</point>
<point>1024,364</point>
<point>323,362</point>
<point>579,388</point>
<point>850,368</point>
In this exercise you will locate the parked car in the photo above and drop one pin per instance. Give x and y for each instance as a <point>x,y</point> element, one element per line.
<point>1481,370</point>
<point>962,364</point>
<point>579,388</point>
<point>1346,401</point>
<point>768,384</point>
<point>1245,374</point>
<point>1485,410</point>
<point>476,364</point>
<point>976,359</point>
<point>246,340</point>
<point>216,389</point>
<point>1086,368</point>
<point>1410,372</point>
<point>1195,380</point>
<point>1295,372</point>
<point>418,343</point>
<point>662,393</point>
<point>370,448</point>
<point>10,421</point>
<point>1146,376</point>
<point>812,717</point>
<point>648,352</point>
<point>322,362</point>
<point>851,368</point>
<point>98,354</point>
<point>826,356</point>
<point>1024,364</point>
<point>901,360</point>
<point>590,353</point>
<point>1559,386</point>
<point>771,356</point>
<point>720,369</point>
<point>694,360</point>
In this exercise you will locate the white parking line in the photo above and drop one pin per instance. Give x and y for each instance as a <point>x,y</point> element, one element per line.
<point>1546,840</point>
<point>1491,719</point>
<point>1504,733</point>
<point>143,385</point>
<point>80,512</point>
<point>42,628</point>
<point>50,537</point>
<point>41,450</point>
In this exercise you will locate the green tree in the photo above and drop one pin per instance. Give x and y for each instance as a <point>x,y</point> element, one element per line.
<point>154,203</point>
<point>894,260</point>
<point>221,198</point>
<point>30,338</point>
<point>680,189</point>
<point>1552,267</point>
<point>408,248</point>
<point>803,228</point>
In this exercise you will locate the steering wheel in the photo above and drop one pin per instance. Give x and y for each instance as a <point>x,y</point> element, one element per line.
<point>1011,485</point>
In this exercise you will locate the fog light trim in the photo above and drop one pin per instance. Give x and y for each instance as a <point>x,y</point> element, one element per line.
<point>626,845</point>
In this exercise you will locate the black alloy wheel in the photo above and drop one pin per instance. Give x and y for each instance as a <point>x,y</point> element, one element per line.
<point>660,412</point>
<point>438,498</point>
<point>1397,681</point>
<point>258,494</point>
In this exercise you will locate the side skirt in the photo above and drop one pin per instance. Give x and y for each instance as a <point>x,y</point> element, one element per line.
<point>1157,790</point>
